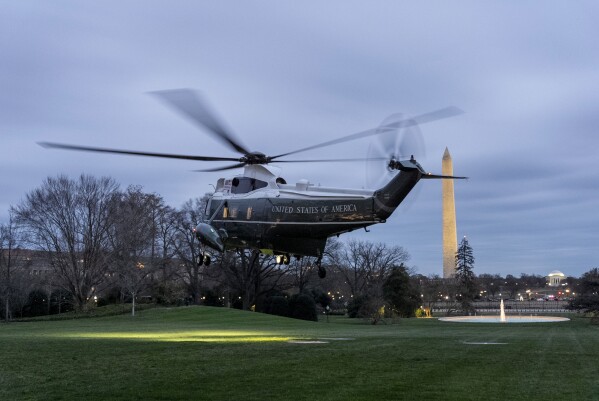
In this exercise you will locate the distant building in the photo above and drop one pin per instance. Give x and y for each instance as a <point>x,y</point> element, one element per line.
<point>557,287</point>
<point>555,278</point>
<point>34,263</point>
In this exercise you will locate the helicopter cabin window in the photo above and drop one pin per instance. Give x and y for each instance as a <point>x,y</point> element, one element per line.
<point>243,185</point>
<point>248,215</point>
<point>226,186</point>
<point>233,212</point>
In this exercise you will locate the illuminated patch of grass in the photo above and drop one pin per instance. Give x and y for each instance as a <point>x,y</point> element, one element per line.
<point>219,354</point>
<point>179,336</point>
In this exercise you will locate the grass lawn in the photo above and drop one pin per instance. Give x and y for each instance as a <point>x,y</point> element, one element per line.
<point>202,353</point>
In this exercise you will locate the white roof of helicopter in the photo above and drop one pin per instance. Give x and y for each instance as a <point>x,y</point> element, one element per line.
<point>303,188</point>
<point>261,172</point>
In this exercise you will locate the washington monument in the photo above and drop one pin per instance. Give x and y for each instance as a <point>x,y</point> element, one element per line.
<point>450,237</point>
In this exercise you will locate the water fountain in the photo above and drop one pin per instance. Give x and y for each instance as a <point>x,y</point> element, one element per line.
<point>503,319</point>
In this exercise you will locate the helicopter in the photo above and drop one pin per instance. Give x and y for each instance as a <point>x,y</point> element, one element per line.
<point>259,210</point>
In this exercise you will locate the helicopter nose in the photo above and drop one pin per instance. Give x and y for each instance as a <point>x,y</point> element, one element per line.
<point>208,236</point>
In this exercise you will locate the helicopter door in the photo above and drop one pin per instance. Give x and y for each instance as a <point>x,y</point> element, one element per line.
<point>257,216</point>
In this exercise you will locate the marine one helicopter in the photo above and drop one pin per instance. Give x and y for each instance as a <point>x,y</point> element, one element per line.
<point>259,210</point>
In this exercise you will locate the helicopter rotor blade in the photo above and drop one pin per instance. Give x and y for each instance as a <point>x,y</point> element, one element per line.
<point>446,112</point>
<point>325,160</point>
<point>191,105</point>
<point>421,119</point>
<point>352,137</point>
<point>52,145</point>
<point>410,142</point>
<point>224,168</point>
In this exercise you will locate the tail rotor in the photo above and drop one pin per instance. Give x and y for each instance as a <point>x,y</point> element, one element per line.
<point>402,142</point>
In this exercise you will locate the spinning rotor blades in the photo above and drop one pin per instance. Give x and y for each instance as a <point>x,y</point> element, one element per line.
<point>53,145</point>
<point>191,105</point>
<point>390,125</point>
<point>401,143</point>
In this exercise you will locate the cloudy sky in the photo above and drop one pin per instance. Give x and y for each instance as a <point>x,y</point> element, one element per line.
<point>285,75</point>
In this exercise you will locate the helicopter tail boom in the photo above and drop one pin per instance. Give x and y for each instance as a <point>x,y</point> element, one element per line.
<point>391,195</point>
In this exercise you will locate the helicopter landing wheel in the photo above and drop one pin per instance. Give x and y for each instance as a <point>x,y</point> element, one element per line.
<point>203,260</point>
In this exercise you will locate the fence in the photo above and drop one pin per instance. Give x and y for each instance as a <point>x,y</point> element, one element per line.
<point>511,307</point>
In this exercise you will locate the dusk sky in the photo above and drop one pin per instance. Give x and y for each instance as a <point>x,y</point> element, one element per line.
<point>285,75</point>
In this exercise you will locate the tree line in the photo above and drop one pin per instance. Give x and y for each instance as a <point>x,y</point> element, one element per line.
<point>76,243</point>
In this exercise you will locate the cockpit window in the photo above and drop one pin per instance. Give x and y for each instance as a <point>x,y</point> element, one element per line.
<point>243,185</point>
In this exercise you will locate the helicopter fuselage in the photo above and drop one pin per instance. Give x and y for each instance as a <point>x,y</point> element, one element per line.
<point>259,211</point>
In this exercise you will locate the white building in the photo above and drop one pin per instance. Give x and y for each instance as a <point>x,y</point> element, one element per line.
<point>554,278</point>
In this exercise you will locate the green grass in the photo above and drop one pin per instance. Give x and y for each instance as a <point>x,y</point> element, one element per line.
<point>202,353</point>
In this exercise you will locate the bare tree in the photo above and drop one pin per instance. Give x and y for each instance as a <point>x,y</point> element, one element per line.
<point>10,259</point>
<point>165,239</point>
<point>530,281</point>
<point>70,220</point>
<point>431,289</point>
<point>165,273</point>
<point>365,265</point>
<point>304,270</point>
<point>491,284</point>
<point>510,287</point>
<point>251,274</point>
<point>21,286</point>
<point>187,247</point>
<point>132,238</point>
